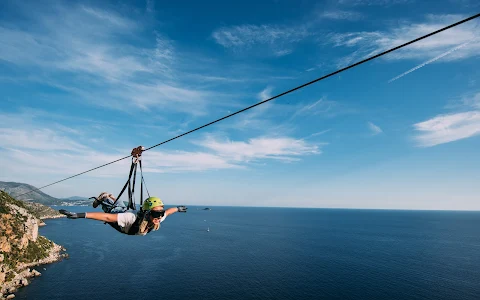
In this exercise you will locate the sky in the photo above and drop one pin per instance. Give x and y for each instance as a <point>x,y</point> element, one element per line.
<point>85,82</point>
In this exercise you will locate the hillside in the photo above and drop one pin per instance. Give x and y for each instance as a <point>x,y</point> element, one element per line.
<point>15,189</point>
<point>42,211</point>
<point>20,245</point>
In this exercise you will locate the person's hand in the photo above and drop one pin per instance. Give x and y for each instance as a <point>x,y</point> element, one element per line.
<point>182,208</point>
<point>71,215</point>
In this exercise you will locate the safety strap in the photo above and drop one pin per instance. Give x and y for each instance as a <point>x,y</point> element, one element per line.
<point>131,202</point>
<point>142,182</point>
<point>141,186</point>
<point>136,158</point>
<point>124,187</point>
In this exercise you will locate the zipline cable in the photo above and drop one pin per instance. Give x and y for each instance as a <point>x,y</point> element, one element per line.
<point>277,96</point>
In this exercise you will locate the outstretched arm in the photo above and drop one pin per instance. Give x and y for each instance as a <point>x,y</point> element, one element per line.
<point>170,211</point>
<point>101,216</point>
<point>91,215</point>
<point>173,210</point>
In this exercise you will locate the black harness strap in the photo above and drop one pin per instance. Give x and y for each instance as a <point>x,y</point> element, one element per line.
<point>141,186</point>
<point>131,202</point>
<point>124,187</point>
<point>136,153</point>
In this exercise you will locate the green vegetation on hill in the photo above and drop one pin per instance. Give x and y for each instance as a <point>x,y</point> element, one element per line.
<point>6,198</point>
<point>19,190</point>
<point>38,210</point>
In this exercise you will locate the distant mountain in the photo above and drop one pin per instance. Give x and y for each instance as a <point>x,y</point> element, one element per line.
<point>16,189</point>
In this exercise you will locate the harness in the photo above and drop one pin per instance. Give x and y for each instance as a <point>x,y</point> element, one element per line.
<point>136,159</point>
<point>142,220</point>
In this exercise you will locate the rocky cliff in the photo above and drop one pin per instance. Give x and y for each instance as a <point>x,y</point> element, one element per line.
<point>20,245</point>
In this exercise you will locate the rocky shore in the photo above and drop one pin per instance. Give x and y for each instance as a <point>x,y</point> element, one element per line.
<point>25,273</point>
<point>21,247</point>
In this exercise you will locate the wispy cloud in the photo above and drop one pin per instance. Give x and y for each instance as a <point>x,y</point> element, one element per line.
<point>39,139</point>
<point>341,15</point>
<point>463,122</point>
<point>111,18</point>
<point>260,118</point>
<point>187,161</point>
<point>276,39</point>
<point>466,102</point>
<point>373,2</point>
<point>316,134</point>
<point>265,94</point>
<point>472,101</point>
<point>61,156</point>
<point>150,6</point>
<point>429,61</point>
<point>367,44</point>
<point>447,128</point>
<point>30,144</point>
<point>142,76</point>
<point>374,128</point>
<point>279,148</point>
<point>318,107</point>
<point>323,107</point>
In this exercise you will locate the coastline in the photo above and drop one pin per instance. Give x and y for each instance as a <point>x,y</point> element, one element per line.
<point>25,271</point>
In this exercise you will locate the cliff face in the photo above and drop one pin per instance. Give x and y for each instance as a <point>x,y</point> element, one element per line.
<point>20,245</point>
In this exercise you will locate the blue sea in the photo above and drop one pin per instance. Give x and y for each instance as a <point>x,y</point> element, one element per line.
<point>268,253</point>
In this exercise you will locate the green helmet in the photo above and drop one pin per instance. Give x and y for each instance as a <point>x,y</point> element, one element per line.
<point>152,202</point>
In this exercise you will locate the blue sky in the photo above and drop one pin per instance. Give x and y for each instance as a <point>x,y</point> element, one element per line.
<point>84,82</point>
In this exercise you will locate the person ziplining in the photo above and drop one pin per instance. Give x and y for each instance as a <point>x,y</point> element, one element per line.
<point>127,219</point>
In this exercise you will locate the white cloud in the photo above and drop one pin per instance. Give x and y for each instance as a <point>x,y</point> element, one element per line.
<point>322,107</point>
<point>93,61</point>
<point>40,139</point>
<point>373,2</point>
<point>282,52</point>
<point>265,94</point>
<point>317,134</point>
<point>160,95</point>
<point>258,118</point>
<point>283,148</point>
<point>472,101</point>
<point>367,44</point>
<point>28,146</point>
<point>30,162</point>
<point>248,35</point>
<point>110,17</point>
<point>468,101</point>
<point>182,161</point>
<point>278,40</point>
<point>318,107</point>
<point>429,61</point>
<point>374,128</point>
<point>341,15</point>
<point>219,155</point>
<point>93,49</point>
<point>447,128</point>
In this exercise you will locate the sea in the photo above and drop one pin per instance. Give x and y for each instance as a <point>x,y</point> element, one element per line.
<point>267,253</point>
